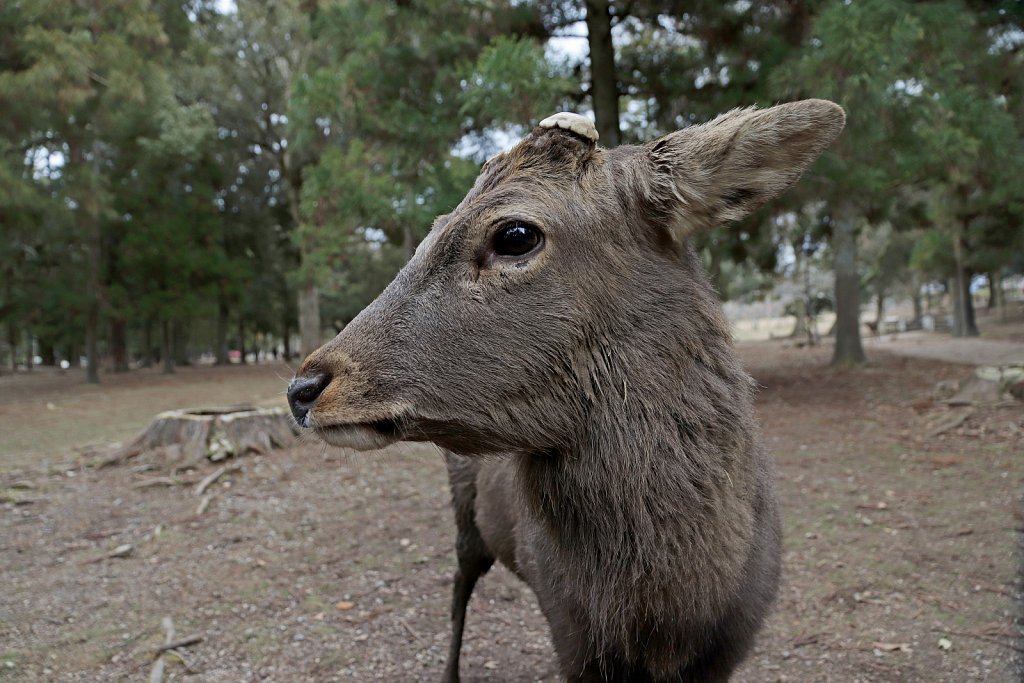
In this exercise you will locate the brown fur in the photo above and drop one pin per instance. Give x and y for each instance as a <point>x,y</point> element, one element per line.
<point>631,492</point>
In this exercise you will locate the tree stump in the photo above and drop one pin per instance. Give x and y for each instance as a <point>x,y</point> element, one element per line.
<point>215,434</point>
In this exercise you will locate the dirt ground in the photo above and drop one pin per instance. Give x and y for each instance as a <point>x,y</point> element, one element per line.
<point>316,564</point>
<point>945,348</point>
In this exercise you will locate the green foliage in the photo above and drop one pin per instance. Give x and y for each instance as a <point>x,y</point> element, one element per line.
<point>513,82</point>
<point>171,161</point>
<point>369,266</point>
<point>932,254</point>
<point>394,90</point>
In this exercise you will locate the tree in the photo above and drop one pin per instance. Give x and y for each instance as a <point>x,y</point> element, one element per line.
<point>393,92</point>
<point>88,84</point>
<point>857,55</point>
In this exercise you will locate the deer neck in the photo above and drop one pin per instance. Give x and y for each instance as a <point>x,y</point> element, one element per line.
<point>661,465</point>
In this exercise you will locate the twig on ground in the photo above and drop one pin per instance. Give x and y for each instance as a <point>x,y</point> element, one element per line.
<point>181,642</point>
<point>809,639</point>
<point>121,551</point>
<point>416,636</point>
<point>203,504</point>
<point>156,481</point>
<point>156,674</point>
<point>211,478</point>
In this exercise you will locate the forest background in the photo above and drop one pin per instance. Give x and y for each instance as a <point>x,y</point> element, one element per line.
<point>183,182</point>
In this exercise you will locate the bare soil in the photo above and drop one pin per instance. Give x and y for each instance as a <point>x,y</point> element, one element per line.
<point>316,564</point>
<point>969,351</point>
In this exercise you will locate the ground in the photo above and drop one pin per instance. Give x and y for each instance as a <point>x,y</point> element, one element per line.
<point>317,564</point>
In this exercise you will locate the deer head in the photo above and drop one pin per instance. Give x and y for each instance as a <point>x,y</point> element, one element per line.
<point>562,283</point>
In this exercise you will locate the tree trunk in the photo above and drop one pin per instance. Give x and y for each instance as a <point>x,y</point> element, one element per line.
<point>309,318</point>
<point>119,344</point>
<point>604,89</point>
<point>991,292</point>
<point>12,342</point>
<point>848,349</point>
<point>997,287</point>
<point>29,356</point>
<point>241,339</point>
<point>963,309</point>
<point>916,299</point>
<point>167,348</point>
<point>92,351</point>
<point>147,342</point>
<point>287,342</point>
<point>800,311</point>
<point>879,308</point>
<point>189,437</point>
<point>222,333</point>
<point>89,212</point>
<point>48,352</point>
<point>970,322</point>
<point>181,340</point>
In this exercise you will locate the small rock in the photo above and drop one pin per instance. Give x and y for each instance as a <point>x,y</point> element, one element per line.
<point>490,664</point>
<point>945,644</point>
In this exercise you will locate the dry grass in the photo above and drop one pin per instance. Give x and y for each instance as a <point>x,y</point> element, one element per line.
<point>45,414</point>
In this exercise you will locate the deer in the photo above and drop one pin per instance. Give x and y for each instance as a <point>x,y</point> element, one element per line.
<point>556,336</point>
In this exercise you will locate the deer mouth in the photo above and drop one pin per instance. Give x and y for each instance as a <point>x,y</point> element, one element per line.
<point>361,436</point>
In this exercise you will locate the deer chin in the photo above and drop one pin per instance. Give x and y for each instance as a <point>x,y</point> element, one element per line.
<point>363,436</point>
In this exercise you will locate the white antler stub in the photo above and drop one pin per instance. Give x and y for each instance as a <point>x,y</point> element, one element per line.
<point>575,123</point>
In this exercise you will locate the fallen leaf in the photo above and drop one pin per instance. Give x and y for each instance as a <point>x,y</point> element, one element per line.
<point>344,604</point>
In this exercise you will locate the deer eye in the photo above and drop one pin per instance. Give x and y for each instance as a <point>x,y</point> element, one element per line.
<point>516,239</point>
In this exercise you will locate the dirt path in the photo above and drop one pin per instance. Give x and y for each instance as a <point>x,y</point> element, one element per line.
<point>970,351</point>
<point>322,565</point>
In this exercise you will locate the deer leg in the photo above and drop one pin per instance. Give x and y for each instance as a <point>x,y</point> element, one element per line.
<point>471,568</point>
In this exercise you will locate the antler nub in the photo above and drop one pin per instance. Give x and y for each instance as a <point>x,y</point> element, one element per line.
<point>575,123</point>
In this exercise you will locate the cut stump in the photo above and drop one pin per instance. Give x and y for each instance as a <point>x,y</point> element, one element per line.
<point>215,434</point>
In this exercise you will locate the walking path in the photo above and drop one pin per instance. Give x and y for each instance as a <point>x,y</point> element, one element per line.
<point>970,351</point>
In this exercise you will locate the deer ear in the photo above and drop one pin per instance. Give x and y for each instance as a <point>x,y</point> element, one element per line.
<point>706,175</point>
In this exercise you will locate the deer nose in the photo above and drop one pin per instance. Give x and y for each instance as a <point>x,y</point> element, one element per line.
<point>303,393</point>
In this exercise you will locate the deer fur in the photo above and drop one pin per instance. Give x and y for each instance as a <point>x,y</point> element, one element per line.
<point>599,432</point>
